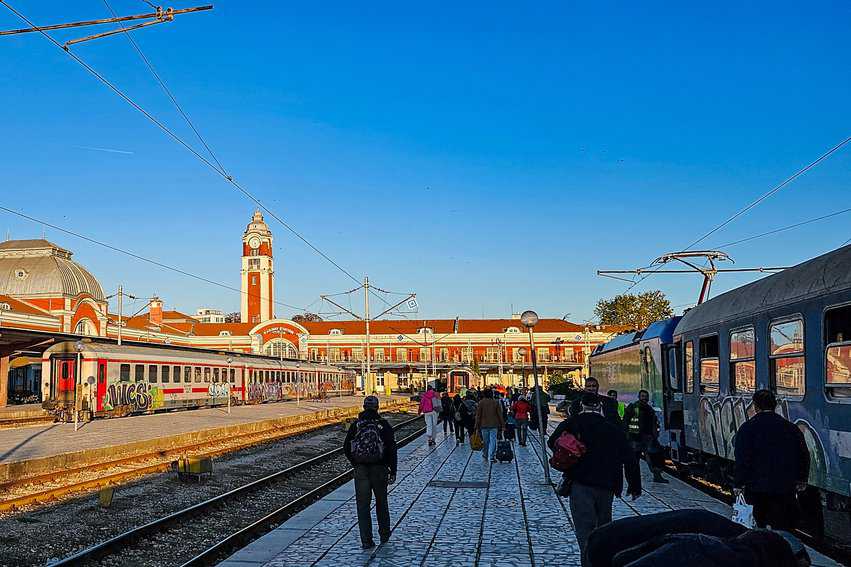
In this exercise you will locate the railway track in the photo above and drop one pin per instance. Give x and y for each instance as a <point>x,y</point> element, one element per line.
<point>204,522</point>
<point>130,468</point>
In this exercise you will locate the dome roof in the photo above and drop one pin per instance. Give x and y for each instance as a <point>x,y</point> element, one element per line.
<point>39,268</point>
<point>258,225</point>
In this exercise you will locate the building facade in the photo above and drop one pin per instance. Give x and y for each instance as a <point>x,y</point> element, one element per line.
<point>42,289</point>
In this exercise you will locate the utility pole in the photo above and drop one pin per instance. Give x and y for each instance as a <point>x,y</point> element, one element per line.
<point>368,385</point>
<point>120,311</point>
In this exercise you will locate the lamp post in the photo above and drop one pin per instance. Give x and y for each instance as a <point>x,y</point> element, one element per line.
<point>298,384</point>
<point>529,320</point>
<point>227,381</point>
<point>78,346</point>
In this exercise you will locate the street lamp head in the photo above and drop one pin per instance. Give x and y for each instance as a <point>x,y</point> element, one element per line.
<point>230,360</point>
<point>529,318</point>
<point>79,346</point>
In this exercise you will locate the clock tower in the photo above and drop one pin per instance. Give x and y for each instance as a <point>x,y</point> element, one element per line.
<point>258,274</point>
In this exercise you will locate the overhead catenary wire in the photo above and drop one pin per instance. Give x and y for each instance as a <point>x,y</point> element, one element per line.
<point>754,203</point>
<point>170,133</point>
<point>138,256</point>
<point>785,228</point>
<point>165,88</point>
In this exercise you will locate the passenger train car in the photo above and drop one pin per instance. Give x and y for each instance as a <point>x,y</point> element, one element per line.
<point>118,380</point>
<point>789,332</point>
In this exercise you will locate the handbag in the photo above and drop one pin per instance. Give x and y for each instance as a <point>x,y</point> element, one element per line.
<point>476,443</point>
<point>743,512</point>
<point>568,450</point>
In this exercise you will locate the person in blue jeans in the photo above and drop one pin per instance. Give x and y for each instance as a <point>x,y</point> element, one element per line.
<point>489,420</point>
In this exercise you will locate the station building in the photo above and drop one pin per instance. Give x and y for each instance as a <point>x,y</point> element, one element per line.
<point>43,289</point>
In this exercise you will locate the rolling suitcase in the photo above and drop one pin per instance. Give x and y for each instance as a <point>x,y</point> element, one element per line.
<point>504,452</point>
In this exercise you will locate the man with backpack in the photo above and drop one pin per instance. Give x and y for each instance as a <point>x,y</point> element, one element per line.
<point>597,475</point>
<point>370,445</point>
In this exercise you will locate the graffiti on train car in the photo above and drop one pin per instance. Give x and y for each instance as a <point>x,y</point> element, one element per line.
<point>217,390</point>
<point>720,418</point>
<point>272,391</point>
<point>138,396</point>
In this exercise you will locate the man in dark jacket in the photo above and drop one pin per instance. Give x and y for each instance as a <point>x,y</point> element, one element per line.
<point>772,464</point>
<point>540,398</point>
<point>642,430</point>
<point>609,406</point>
<point>371,447</point>
<point>598,475</point>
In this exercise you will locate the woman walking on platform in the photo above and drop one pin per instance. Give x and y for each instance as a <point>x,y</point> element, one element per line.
<point>428,401</point>
<point>458,418</point>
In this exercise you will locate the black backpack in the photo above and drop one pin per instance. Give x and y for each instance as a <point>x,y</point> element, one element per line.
<point>367,446</point>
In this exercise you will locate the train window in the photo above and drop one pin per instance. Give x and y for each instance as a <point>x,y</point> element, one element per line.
<point>124,373</point>
<point>742,364</point>
<point>140,372</point>
<point>837,325</point>
<point>176,373</point>
<point>152,373</point>
<point>233,376</point>
<point>709,375</point>
<point>187,374</point>
<point>672,367</point>
<point>206,374</point>
<point>787,357</point>
<point>197,373</point>
<point>215,374</point>
<point>688,367</point>
<point>166,374</point>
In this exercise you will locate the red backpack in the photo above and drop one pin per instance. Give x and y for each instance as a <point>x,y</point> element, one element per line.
<point>568,451</point>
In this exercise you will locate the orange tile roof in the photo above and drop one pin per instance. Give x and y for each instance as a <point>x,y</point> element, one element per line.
<point>439,326</point>
<point>19,306</point>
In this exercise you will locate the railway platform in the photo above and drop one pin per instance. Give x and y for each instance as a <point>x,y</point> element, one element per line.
<point>449,508</point>
<point>40,449</point>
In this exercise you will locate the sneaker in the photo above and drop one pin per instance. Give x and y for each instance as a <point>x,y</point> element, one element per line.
<point>368,545</point>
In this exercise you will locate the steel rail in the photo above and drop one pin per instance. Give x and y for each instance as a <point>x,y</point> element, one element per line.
<point>246,534</point>
<point>104,548</point>
<point>247,440</point>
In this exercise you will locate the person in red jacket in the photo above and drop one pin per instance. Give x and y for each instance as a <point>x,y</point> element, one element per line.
<point>520,410</point>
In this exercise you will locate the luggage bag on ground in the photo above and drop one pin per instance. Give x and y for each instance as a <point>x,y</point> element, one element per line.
<point>504,452</point>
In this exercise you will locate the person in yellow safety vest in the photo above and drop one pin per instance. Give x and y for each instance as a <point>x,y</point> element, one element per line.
<point>621,406</point>
<point>642,430</point>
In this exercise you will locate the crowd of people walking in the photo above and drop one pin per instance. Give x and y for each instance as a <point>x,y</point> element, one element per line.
<point>599,444</point>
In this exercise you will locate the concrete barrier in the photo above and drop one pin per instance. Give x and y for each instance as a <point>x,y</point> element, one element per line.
<point>20,470</point>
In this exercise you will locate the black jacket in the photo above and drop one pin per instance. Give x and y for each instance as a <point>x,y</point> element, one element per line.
<point>387,436</point>
<point>648,423</point>
<point>608,455</point>
<point>609,540</point>
<point>754,548</point>
<point>771,455</point>
<point>609,405</point>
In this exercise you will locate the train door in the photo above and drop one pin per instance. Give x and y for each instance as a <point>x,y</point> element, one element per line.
<point>65,379</point>
<point>101,384</point>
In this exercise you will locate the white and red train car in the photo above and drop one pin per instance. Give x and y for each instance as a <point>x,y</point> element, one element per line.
<point>114,380</point>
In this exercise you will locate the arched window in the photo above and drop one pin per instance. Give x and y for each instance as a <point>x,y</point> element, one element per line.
<point>85,327</point>
<point>279,348</point>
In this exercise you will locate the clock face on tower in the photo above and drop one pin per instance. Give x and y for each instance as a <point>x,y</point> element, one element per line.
<point>254,242</point>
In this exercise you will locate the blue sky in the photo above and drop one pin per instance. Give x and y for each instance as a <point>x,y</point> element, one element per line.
<point>482,154</point>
